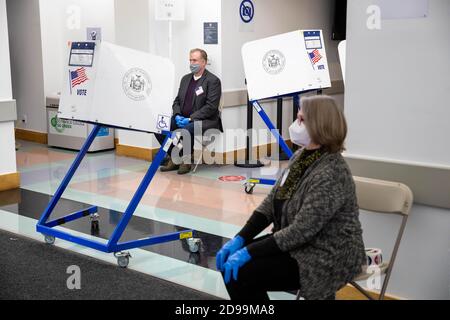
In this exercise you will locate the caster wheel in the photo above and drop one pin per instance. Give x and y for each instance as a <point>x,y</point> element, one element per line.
<point>249,188</point>
<point>123,259</point>
<point>49,239</point>
<point>194,244</point>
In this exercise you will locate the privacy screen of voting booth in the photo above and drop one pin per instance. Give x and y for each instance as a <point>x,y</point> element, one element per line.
<point>117,86</point>
<point>288,64</point>
<point>284,64</point>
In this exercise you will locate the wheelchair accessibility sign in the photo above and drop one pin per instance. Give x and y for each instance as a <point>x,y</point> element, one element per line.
<point>247,11</point>
<point>163,123</point>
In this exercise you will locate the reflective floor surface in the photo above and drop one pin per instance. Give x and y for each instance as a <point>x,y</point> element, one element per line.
<point>200,201</point>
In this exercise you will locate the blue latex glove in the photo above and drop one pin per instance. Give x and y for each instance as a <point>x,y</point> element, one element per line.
<point>227,250</point>
<point>183,123</point>
<point>234,262</point>
<point>178,118</point>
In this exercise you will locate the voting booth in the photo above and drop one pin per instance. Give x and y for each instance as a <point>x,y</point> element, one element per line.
<point>110,86</point>
<point>285,64</point>
<point>288,64</point>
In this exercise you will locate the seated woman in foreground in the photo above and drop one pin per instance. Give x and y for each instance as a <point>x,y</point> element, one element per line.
<point>316,242</point>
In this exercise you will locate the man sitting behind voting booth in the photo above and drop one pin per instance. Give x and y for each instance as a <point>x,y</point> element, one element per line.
<point>195,110</point>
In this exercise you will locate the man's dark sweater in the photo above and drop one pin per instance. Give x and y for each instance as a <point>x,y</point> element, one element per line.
<point>189,98</point>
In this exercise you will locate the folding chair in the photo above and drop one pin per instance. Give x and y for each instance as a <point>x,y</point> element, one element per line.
<point>207,139</point>
<point>385,197</point>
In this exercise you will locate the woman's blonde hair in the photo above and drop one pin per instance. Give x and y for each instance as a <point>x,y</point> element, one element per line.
<point>325,122</point>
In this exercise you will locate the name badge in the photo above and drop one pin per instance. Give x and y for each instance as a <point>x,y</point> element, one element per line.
<point>199,91</point>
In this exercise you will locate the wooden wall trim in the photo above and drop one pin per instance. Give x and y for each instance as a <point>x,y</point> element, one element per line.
<point>351,293</point>
<point>30,135</point>
<point>9,181</point>
<point>226,157</point>
<point>136,152</point>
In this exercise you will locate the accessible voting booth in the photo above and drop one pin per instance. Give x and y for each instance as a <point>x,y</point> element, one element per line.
<point>288,64</point>
<point>112,86</point>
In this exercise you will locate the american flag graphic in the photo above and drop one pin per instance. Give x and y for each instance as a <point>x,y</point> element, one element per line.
<point>315,56</point>
<point>78,76</point>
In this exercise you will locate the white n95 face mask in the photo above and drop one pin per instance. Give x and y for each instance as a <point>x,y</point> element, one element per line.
<point>299,135</point>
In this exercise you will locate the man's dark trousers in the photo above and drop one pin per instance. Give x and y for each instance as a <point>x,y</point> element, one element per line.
<point>173,126</point>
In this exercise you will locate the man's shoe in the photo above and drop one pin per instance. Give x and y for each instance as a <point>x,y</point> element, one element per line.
<point>184,168</point>
<point>170,166</point>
